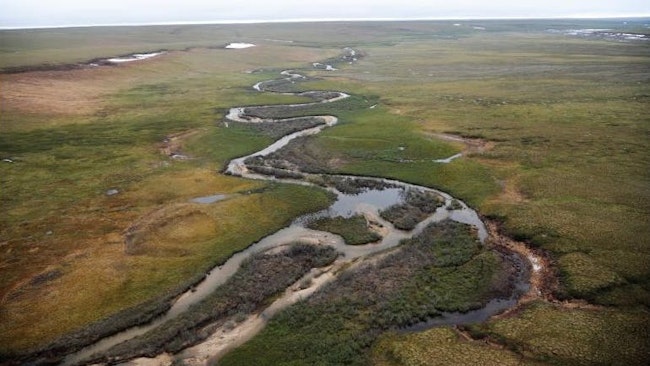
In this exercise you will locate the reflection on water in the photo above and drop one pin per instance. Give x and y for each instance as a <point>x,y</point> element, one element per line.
<point>209,199</point>
<point>348,204</point>
<point>494,306</point>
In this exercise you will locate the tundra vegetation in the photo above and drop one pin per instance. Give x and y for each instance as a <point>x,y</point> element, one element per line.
<point>444,268</point>
<point>561,122</point>
<point>354,229</point>
<point>254,286</point>
<point>416,207</point>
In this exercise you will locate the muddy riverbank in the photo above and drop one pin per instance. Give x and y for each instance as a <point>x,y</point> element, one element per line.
<point>442,273</point>
<point>259,279</point>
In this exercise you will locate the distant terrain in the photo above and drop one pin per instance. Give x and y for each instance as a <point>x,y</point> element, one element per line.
<point>540,126</point>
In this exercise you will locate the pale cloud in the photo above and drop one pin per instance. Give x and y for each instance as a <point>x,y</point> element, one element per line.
<point>15,13</point>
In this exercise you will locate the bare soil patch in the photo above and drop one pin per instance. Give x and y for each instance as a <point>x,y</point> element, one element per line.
<point>472,145</point>
<point>544,280</point>
<point>173,144</point>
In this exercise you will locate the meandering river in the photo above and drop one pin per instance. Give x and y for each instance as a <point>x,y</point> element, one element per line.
<point>368,203</point>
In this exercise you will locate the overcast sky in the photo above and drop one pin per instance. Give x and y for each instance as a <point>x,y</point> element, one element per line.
<point>39,13</point>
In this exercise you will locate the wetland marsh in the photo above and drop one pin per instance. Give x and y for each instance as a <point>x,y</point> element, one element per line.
<point>508,117</point>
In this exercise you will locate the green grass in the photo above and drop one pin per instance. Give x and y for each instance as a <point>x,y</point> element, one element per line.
<point>374,143</point>
<point>354,230</point>
<point>439,346</point>
<point>575,336</point>
<point>71,163</point>
<point>339,107</point>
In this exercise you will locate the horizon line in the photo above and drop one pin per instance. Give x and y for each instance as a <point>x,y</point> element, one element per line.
<point>323,20</point>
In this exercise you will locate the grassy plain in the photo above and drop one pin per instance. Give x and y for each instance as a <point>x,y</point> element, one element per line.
<point>568,171</point>
<point>440,347</point>
<point>61,233</point>
<point>566,117</point>
<point>569,118</point>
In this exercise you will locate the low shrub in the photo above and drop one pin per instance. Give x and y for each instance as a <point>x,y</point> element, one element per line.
<point>354,230</point>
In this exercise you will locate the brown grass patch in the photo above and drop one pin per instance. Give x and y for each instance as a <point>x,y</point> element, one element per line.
<point>172,238</point>
<point>78,92</point>
<point>167,226</point>
<point>510,194</point>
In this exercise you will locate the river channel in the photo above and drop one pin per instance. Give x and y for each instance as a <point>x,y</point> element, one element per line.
<point>373,198</point>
